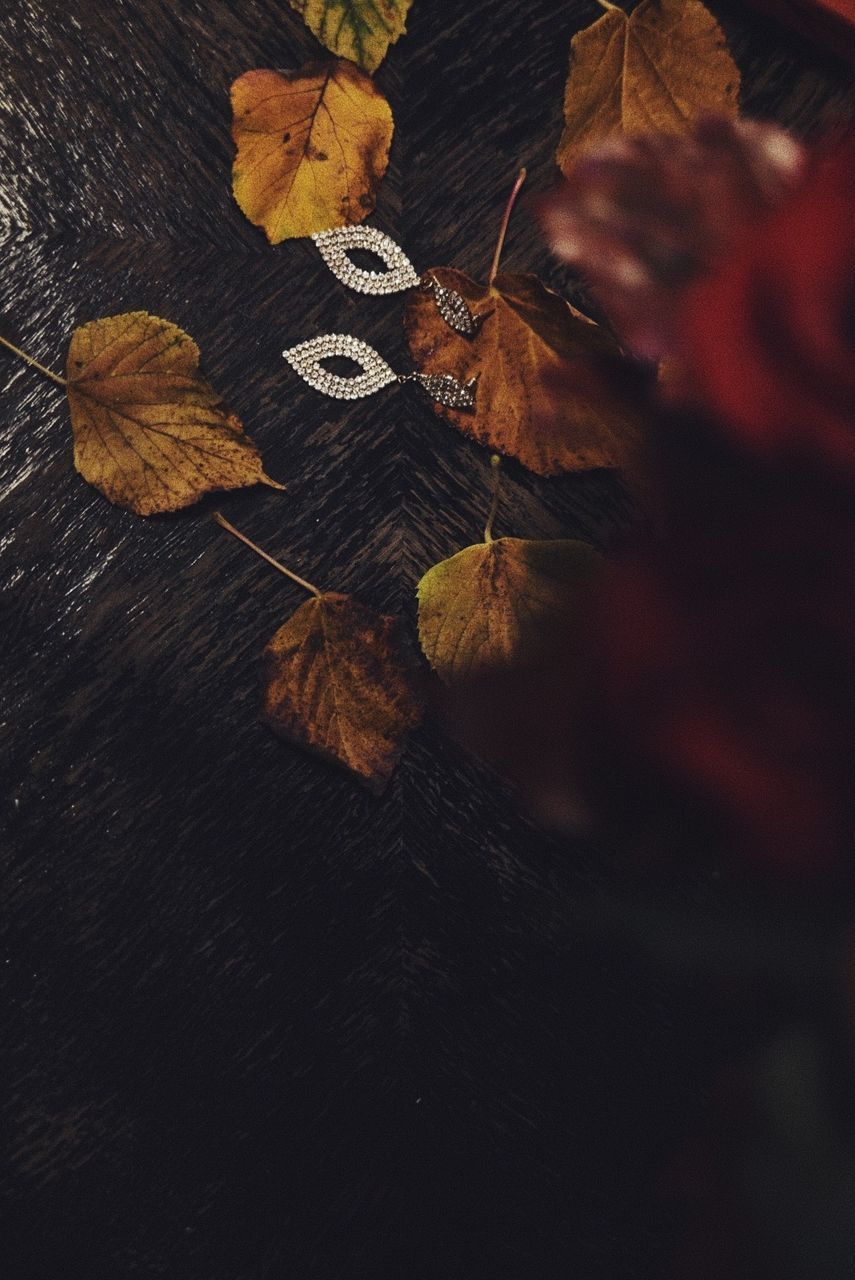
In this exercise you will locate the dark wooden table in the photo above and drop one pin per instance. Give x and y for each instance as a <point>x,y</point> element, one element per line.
<point>256,1023</point>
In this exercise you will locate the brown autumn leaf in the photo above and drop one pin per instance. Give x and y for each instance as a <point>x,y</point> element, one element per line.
<point>149,432</point>
<point>659,68</point>
<point>540,395</point>
<point>361,30</point>
<point>312,146</point>
<point>337,683</point>
<point>498,603</point>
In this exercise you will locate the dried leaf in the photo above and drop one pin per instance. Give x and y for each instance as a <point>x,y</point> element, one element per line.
<point>660,67</point>
<point>361,30</point>
<point>149,432</point>
<point>337,683</point>
<point>496,603</point>
<point>540,396</point>
<point>312,146</point>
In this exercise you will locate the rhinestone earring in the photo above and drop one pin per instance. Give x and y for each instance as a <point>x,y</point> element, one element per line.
<point>400,274</point>
<point>306,360</point>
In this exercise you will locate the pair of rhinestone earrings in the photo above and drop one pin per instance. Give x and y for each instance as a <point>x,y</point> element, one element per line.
<point>307,357</point>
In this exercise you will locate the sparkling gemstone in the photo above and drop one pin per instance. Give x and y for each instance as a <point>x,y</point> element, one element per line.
<point>334,246</point>
<point>305,359</point>
<point>446,389</point>
<point>453,308</point>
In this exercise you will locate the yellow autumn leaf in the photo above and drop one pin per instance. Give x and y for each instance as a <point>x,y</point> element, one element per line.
<point>659,68</point>
<point>498,602</point>
<point>312,147</point>
<point>361,30</point>
<point>149,432</point>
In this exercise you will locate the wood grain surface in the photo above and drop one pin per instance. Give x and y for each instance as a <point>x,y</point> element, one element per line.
<point>255,1022</point>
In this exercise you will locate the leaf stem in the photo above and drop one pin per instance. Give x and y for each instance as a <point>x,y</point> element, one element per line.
<point>503,229</point>
<point>607,4</point>
<point>496,464</point>
<point>54,377</point>
<point>289,573</point>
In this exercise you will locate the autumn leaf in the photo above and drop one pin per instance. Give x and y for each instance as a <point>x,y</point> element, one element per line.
<point>312,146</point>
<point>538,365</point>
<point>498,602</point>
<point>149,432</point>
<point>337,681</point>
<point>660,67</point>
<point>361,30</point>
<point>540,396</point>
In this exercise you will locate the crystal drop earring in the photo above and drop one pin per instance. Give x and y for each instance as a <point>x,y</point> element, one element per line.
<point>400,274</point>
<point>306,360</point>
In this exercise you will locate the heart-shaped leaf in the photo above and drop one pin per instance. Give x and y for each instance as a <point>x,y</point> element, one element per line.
<point>661,67</point>
<point>149,432</point>
<point>498,602</point>
<point>361,30</point>
<point>540,395</point>
<point>312,146</point>
<point>336,682</point>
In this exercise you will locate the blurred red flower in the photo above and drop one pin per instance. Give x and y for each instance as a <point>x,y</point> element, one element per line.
<point>704,701</point>
<point>767,341</point>
<point>725,656</point>
<point>708,698</point>
<point>644,217</point>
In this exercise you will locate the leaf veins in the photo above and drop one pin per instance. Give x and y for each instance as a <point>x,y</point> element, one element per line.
<point>657,69</point>
<point>498,603</point>
<point>541,397</point>
<point>337,683</point>
<point>312,147</point>
<point>149,432</point>
<point>361,30</point>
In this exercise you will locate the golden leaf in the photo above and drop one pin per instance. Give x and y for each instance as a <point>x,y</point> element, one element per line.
<point>657,69</point>
<point>361,30</point>
<point>539,396</point>
<point>149,432</point>
<point>337,683</point>
<point>498,602</point>
<point>312,146</point>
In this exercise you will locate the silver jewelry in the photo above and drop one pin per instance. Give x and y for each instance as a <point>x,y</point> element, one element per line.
<point>445,389</point>
<point>305,359</point>
<point>400,274</point>
<point>452,307</point>
<point>334,245</point>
